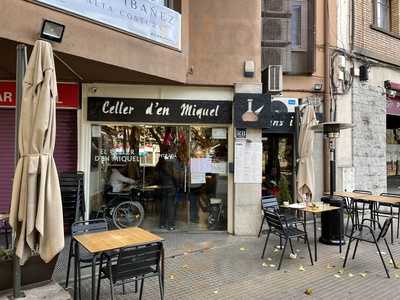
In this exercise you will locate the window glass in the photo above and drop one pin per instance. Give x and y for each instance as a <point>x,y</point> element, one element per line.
<point>299,26</point>
<point>383,14</point>
<point>296,26</point>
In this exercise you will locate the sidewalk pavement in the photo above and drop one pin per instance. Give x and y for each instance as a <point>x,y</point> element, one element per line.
<point>221,266</point>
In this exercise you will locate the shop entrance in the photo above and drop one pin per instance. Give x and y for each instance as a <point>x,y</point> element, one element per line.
<point>278,166</point>
<point>178,173</point>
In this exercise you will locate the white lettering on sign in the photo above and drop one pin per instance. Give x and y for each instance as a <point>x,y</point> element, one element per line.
<point>191,110</point>
<point>6,97</point>
<point>120,108</point>
<point>150,20</point>
<point>159,110</point>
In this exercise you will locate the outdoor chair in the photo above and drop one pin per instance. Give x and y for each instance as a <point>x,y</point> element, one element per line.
<point>85,258</point>
<point>271,203</point>
<point>278,226</point>
<point>359,205</point>
<point>368,234</point>
<point>383,209</point>
<point>5,230</point>
<point>133,264</point>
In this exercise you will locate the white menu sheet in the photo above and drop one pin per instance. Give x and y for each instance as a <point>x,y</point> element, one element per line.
<point>200,165</point>
<point>248,157</point>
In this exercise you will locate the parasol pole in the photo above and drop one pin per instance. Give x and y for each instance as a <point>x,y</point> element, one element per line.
<point>20,72</point>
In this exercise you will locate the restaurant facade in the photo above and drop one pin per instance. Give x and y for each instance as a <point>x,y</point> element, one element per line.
<point>156,82</point>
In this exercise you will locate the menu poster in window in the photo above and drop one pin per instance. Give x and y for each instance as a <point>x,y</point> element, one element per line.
<point>218,133</point>
<point>200,165</point>
<point>248,157</point>
<point>219,167</point>
<point>196,178</point>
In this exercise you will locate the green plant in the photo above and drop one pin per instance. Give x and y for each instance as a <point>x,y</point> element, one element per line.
<point>5,254</point>
<point>284,194</point>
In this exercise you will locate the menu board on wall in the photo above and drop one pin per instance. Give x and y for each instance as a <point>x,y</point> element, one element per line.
<point>248,157</point>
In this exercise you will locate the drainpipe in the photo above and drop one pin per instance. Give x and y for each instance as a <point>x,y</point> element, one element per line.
<point>327,98</point>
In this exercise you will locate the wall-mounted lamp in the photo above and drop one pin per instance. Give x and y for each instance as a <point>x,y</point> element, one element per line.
<point>317,87</point>
<point>249,68</point>
<point>52,31</point>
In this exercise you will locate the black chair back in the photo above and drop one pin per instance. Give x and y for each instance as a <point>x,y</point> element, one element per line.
<point>385,228</point>
<point>274,220</point>
<point>362,192</point>
<point>89,226</point>
<point>138,260</point>
<point>269,203</point>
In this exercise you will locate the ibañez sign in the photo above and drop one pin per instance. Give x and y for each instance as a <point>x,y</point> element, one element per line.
<point>144,18</point>
<point>159,110</point>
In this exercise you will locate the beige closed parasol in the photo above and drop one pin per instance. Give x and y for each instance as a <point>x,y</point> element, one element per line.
<point>305,173</point>
<point>36,210</point>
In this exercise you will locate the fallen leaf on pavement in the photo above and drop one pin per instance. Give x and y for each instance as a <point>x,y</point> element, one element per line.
<point>382,252</point>
<point>185,266</point>
<point>269,258</point>
<point>216,292</point>
<point>297,250</point>
<point>363,275</point>
<point>264,264</point>
<point>293,255</point>
<point>391,261</point>
<point>308,291</point>
<point>276,250</point>
<point>337,275</point>
<point>243,249</point>
<point>301,268</point>
<point>340,271</point>
<point>171,277</point>
<point>272,265</point>
<point>397,275</point>
<point>328,266</point>
<point>351,275</point>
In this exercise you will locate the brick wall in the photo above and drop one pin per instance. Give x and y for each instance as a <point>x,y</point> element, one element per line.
<point>372,42</point>
<point>369,137</point>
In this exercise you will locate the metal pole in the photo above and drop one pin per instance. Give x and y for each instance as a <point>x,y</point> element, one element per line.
<point>20,72</point>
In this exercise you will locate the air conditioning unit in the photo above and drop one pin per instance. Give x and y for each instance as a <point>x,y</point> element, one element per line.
<point>275,80</point>
<point>284,105</point>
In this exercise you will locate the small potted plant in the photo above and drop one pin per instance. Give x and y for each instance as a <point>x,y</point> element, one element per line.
<point>33,271</point>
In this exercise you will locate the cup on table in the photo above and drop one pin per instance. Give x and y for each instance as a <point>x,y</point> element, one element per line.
<point>285,203</point>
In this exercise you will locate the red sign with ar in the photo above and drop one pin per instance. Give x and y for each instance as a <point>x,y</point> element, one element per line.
<point>68,95</point>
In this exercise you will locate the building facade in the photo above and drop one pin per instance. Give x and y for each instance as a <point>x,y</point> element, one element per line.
<point>153,57</point>
<point>294,37</point>
<point>367,73</point>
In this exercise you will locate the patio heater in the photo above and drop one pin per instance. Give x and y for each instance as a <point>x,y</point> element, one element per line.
<point>332,221</point>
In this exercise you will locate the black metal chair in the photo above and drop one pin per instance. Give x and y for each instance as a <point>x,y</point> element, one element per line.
<point>359,205</point>
<point>278,226</point>
<point>383,209</point>
<point>271,203</point>
<point>369,235</point>
<point>85,258</point>
<point>133,264</point>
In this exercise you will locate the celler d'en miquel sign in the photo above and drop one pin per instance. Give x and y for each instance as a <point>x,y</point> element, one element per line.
<point>144,18</point>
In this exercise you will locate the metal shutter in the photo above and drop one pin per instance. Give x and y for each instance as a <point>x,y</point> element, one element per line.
<point>7,126</point>
<point>65,152</point>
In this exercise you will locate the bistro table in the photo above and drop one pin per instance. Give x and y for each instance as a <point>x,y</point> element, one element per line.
<point>99,242</point>
<point>374,199</point>
<point>314,210</point>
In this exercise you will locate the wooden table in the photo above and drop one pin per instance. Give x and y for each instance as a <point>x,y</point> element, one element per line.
<point>373,199</point>
<point>314,211</point>
<point>99,242</point>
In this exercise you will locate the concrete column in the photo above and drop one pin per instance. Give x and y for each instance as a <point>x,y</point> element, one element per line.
<point>247,209</point>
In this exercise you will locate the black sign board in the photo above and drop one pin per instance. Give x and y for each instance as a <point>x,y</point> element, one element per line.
<point>252,110</point>
<point>285,122</point>
<point>159,110</point>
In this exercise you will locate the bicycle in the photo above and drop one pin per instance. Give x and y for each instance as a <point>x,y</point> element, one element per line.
<point>216,213</point>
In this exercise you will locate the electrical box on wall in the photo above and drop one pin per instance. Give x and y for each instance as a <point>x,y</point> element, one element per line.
<point>364,72</point>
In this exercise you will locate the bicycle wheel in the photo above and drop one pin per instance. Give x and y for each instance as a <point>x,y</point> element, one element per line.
<point>128,214</point>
